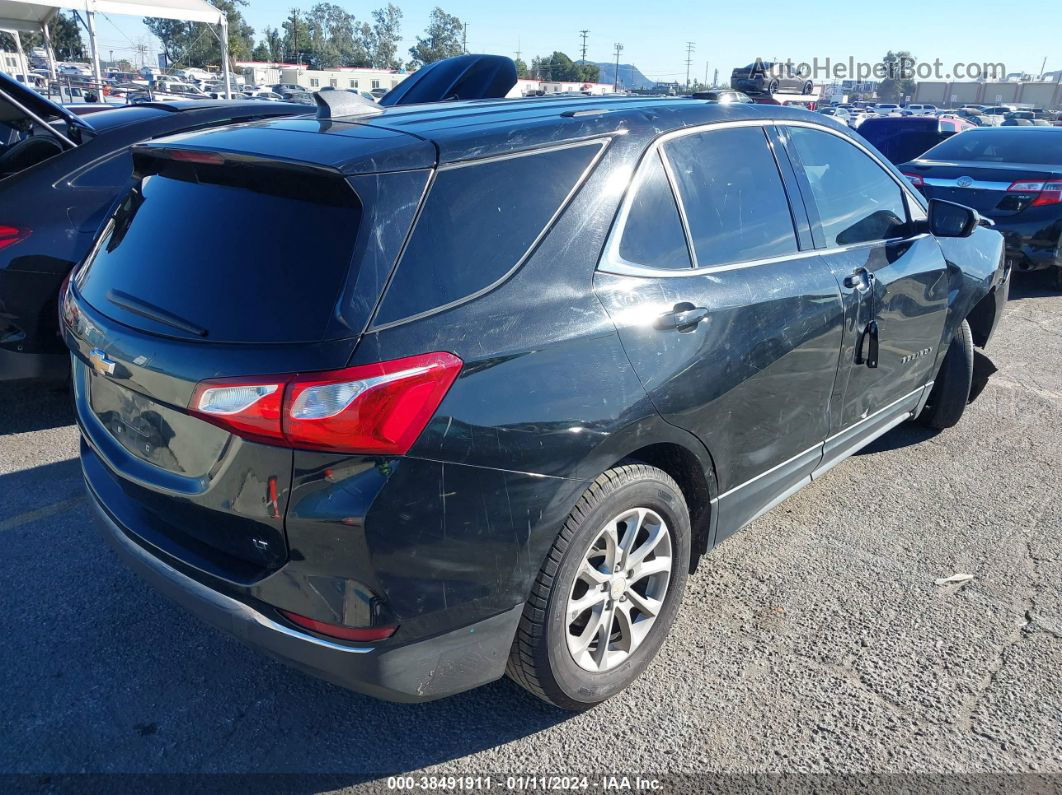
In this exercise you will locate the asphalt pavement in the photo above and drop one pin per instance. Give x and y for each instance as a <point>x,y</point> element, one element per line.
<point>814,641</point>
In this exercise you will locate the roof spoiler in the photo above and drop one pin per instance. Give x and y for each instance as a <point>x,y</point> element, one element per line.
<point>335,103</point>
<point>461,77</point>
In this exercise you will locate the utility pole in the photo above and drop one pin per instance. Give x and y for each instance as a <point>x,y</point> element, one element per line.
<point>689,62</point>
<point>295,35</point>
<point>706,74</point>
<point>584,34</point>
<point>518,49</point>
<point>616,84</point>
<point>464,37</point>
<point>715,78</point>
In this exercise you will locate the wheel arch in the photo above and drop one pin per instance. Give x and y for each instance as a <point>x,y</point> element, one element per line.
<point>983,318</point>
<point>678,453</point>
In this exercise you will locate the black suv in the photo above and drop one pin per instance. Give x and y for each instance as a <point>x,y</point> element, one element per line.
<point>524,363</point>
<point>770,77</point>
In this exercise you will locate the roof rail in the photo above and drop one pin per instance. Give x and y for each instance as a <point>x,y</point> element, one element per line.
<point>339,103</point>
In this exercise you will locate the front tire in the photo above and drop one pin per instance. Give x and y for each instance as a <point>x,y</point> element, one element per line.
<point>951,390</point>
<point>608,591</point>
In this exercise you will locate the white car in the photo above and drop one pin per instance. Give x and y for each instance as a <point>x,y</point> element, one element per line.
<point>887,109</point>
<point>922,110</point>
<point>185,89</point>
<point>838,113</point>
<point>263,93</point>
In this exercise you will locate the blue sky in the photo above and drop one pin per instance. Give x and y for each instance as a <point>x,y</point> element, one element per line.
<point>654,34</point>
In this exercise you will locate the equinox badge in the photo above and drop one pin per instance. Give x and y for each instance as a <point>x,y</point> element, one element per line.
<point>100,363</point>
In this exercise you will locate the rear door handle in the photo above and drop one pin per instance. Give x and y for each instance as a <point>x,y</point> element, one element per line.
<point>684,317</point>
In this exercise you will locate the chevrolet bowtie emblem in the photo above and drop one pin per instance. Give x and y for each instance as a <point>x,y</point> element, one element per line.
<point>100,362</point>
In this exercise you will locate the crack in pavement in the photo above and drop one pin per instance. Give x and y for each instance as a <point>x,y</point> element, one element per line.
<point>966,719</point>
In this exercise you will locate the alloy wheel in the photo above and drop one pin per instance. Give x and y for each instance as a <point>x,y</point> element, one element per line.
<point>619,589</point>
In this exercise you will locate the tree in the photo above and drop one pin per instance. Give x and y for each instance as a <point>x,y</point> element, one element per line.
<point>386,33</point>
<point>898,76</point>
<point>521,68</point>
<point>66,39</point>
<point>442,39</point>
<point>560,67</point>
<point>194,44</point>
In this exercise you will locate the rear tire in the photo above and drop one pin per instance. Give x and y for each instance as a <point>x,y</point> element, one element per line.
<point>807,88</point>
<point>772,88</point>
<point>616,573</point>
<point>951,390</point>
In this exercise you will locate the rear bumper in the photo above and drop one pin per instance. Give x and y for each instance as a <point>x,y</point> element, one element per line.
<point>15,366</point>
<point>422,670</point>
<point>1031,246</point>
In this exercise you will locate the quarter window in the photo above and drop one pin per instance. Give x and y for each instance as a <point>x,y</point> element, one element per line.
<point>856,199</point>
<point>477,224</point>
<point>733,196</point>
<point>653,234</point>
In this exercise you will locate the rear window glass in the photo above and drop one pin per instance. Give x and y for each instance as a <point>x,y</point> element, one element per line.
<point>477,224</point>
<point>1001,146</point>
<point>244,255</point>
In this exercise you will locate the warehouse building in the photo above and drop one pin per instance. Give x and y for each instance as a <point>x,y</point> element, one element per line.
<point>265,74</point>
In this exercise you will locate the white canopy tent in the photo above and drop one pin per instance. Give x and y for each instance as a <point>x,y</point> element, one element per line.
<point>35,15</point>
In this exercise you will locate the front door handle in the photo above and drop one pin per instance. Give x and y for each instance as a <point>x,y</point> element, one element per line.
<point>684,317</point>
<point>860,279</point>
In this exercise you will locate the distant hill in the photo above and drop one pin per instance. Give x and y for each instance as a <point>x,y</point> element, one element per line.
<point>630,76</point>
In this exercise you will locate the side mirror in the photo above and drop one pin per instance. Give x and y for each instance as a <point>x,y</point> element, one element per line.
<point>947,219</point>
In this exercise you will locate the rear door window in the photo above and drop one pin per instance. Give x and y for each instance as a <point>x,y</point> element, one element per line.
<point>652,234</point>
<point>478,223</point>
<point>180,248</point>
<point>733,196</point>
<point>857,200</point>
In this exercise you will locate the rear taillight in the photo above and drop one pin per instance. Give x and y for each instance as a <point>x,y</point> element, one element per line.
<point>915,180</point>
<point>338,630</point>
<point>249,407</point>
<point>1051,194</point>
<point>1046,192</point>
<point>377,409</point>
<point>10,235</point>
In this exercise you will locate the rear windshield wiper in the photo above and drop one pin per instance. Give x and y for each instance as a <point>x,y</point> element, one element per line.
<point>151,312</point>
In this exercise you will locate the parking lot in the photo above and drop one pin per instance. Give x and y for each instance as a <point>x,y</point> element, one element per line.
<point>816,640</point>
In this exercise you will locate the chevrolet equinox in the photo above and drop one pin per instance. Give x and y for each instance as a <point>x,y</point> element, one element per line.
<point>523,363</point>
